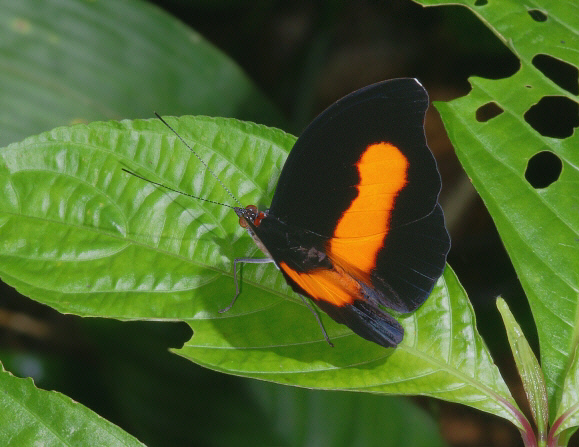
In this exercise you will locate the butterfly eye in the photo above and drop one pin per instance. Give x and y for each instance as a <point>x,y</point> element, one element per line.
<point>251,214</point>
<point>257,220</point>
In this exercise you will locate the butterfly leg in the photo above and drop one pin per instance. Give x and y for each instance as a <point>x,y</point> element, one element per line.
<point>309,306</point>
<point>237,290</point>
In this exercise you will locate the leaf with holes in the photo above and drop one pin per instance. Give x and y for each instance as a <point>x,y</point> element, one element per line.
<point>124,248</point>
<point>537,218</point>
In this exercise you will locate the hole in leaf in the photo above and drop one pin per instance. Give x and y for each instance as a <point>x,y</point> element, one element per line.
<point>543,169</point>
<point>537,15</point>
<point>561,73</point>
<point>480,2</point>
<point>488,111</point>
<point>554,116</point>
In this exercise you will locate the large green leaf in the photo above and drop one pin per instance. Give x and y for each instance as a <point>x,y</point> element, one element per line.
<point>539,227</point>
<point>165,400</point>
<point>36,417</point>
<point>66,61</point>
<point>85,237</point>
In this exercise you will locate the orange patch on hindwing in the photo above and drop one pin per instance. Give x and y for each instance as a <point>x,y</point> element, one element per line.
<point>331,285</point>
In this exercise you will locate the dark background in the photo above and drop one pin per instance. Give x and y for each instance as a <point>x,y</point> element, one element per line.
<point>303,55</point>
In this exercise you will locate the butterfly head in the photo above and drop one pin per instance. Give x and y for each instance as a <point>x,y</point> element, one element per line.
<point>250,216</point>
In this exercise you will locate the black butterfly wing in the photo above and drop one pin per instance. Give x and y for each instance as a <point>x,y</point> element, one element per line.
<point>361,187</point>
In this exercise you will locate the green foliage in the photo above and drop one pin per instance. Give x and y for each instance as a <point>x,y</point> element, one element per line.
<point>568,414</point>
<point>85,237</point>
<point>364,419</point>
<point>34,417</point>
<point>66,62</point>
<point>539,227</point>
<point>529,369</point>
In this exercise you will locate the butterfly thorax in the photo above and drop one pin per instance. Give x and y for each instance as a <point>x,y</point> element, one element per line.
<point>304,250</point>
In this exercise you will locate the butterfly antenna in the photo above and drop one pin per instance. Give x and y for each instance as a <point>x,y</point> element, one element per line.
<point>175,190</point>
<point>201,160</point>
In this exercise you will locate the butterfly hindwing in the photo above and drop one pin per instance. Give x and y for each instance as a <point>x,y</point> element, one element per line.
<point>348,302</point>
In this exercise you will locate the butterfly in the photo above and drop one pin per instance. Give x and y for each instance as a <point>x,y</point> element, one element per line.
<point>355,224</point>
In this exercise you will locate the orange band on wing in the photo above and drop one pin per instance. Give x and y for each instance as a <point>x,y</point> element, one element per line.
<point>333,286</point>
<point>361,229</point>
